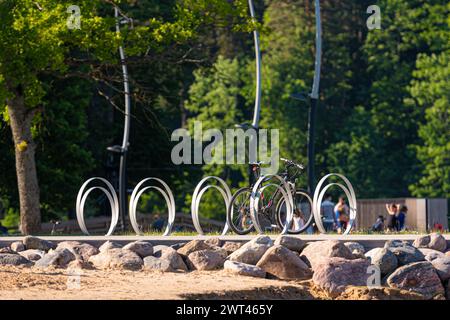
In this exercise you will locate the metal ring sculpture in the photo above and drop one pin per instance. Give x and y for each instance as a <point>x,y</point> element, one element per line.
<point>198,194</point>
<point>110,194</point>
<point>319,194</point>
<point>165,192</point>
<point>286,193</point>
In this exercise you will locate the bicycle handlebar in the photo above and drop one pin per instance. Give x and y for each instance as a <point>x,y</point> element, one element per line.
<point>292,163</point>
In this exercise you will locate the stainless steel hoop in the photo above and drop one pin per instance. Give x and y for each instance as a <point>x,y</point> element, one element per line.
<point>165,191</point>
<point>112,198</point>
<point>285,190</point>
<point>198,194</point>
<point>319,194</point>
<point>293,207</point>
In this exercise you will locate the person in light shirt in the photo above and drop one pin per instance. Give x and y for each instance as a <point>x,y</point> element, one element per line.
<point>327,213</point>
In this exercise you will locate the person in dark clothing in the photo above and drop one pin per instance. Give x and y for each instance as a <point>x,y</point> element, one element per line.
<point>401,216</point>
<point>392,216</point>
<point>378,226</point>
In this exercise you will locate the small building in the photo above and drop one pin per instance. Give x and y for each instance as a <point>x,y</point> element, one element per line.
<point>423,214</point>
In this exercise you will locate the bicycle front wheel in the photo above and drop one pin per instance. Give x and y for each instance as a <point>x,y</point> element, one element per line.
<point>238,215</point>
<point>303,215</point>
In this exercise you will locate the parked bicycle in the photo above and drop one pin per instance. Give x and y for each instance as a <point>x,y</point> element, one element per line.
<point>272,209</point>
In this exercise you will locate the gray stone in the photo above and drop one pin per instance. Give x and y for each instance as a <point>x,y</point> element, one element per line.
<point>334,274</point>
<point>205,260</point>
<point>221,251</point>
<point>231,246</point>
<point>396,243</point>
<point>192,246</point>
<point>13,260</point>
<point>7,250</point>
<point>214,242</point>
<point>31,242</point>
<point>252,251</point>
<point>109,245</point>
<point>282,263</point>
<point>431,254</point>
<point>442,266</point>
<point>117,259</point>
<point>177,246</point>
<point>141,248</point>
<point>17,246</point>
<point>292,243</point>
<point>159,249</point>
<point>32,254</point>
<point>316,252</point>
<point>244,269</point>
<point>175,260</point>
<point>407,254</point>
<point>56,258</point>
<point>419,277</point>
<point>384,259</point>
<point>161,264</point>
<point>357,249</point>
<point>433,241</point>
<point>82,251</point>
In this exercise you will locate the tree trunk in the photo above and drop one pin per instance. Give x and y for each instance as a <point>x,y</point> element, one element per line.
<point>27,181</point>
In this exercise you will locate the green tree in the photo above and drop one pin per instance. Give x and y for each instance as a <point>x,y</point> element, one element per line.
<point>430,91</point>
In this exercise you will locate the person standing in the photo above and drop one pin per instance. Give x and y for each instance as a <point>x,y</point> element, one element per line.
<point>327,213</point>
<point>391,223</point>
<point>342,214</point>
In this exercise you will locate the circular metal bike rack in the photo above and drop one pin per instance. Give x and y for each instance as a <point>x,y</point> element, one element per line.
<point>319,194</point>
<point>112,198</point>
<point>285,190</point>
<point>164,190</point>
<point>198,194</point>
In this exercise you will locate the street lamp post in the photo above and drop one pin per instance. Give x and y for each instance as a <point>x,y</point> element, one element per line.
<point>122,150</point>
<point>313,99</point>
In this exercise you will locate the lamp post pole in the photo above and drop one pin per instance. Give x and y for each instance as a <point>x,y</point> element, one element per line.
<point>122,150</point>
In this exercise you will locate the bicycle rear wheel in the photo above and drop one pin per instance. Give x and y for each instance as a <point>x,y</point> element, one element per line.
<point>303,215</point>
<point>238,215</point>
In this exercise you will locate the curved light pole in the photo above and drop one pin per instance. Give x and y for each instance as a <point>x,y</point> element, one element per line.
<point>313,98</point>
<point>122,150</point>
<point>257,110</point>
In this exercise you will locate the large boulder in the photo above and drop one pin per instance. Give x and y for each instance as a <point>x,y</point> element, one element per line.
<point>117,259</point>
<point>109,245</point>
<point>171,255</point>
<point>32,254</point>
<point>357,249</point>
<point>192,246</point>
<point>56,258</point>
<point>335,274</point>
<point>82,251</point>
<point>292,243</point>
<point>13,260</point>
<point>316,252</point>
<point>17,246</point>
<point>252,251</point>
<point>384,259</point>
<point>31,242</point>
<point>420,277</point>
<point>431,254</point>
<point>442,266</point>
<point>154,263</point>
<point>231,246</point>
<point>141,248</point>
<point>406,254</point>
<point>205,260</point>
<point>282,263</point>
<point>244,269</point>
<point>433,241</point>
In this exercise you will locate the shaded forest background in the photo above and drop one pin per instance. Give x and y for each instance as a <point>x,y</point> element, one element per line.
<point>383,118</point>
